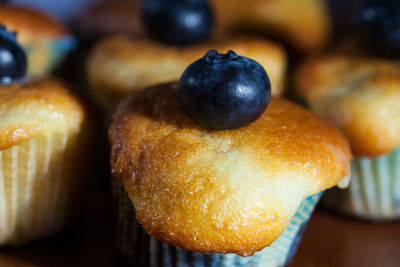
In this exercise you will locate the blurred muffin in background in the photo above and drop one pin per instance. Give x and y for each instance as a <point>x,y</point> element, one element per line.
<point>119,66</point>
<point>303,24</point>
<point>45,41</point>
<point>357,87</point>
<point>361,95</point>
<point>177,33</point>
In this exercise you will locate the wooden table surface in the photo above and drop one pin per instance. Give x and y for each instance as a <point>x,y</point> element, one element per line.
<point>329,240</point>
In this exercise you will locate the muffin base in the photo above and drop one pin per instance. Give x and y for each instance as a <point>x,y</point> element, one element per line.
<point>40,187</point>
<point>138,247</point>
<point>374,191</point>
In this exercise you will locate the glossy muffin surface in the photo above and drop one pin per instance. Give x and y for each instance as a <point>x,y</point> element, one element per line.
<point>34,108</point>
<point>360,95</point>
<point>121,65</point>
<point>221,191</point>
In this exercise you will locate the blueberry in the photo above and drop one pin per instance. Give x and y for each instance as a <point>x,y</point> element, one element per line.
<point>224,91</point>
<point>12,57</point>
<point>378,25</point>
<point>177,22</point>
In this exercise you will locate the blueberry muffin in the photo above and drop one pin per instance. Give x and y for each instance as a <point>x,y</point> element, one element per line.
<point>44,40</point>
<point>360,95</point>
<point>119,66</point>
<point>303,24</point>
<point>44,150</point>
<point>214,172</point>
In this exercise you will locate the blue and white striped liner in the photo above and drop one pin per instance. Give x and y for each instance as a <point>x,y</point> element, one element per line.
<point>56,51</point>
<point>142,250</point>
<point>374,192</point>
<point>60,48</point>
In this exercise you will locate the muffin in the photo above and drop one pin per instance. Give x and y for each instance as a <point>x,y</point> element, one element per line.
<point>45,41</point>
<point>303,24</point>
<point>121,65</point>
<point>202,193</point>
<point>44,150</point>
<point>360,95</point>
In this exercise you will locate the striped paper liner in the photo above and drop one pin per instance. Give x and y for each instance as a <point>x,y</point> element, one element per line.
<point>37,181</point>
<point>142,250</point>
<point>374,191</point>
<point>44,56</point>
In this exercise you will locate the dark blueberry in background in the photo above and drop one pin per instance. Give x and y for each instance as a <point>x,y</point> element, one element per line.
<point>12,57</point>
<point>378,26</point>
<point>224,91</point>
<point>177,22</point>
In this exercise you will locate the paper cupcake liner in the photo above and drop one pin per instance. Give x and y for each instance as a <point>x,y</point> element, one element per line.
<point>43,57</point>
<point>374,191</point>
<point>39,188</point>
<point>142,250</point>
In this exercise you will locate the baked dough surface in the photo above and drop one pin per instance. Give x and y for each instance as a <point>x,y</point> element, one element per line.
<point>229,191</point>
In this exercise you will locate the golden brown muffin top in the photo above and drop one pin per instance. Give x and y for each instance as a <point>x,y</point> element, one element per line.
<point>31,25</point>
<point>110,18</point>
<point>231,191</point>
<point>358,94</point>
<point>304,24</point>
<point>121,65</point>
<point>35,108</point>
